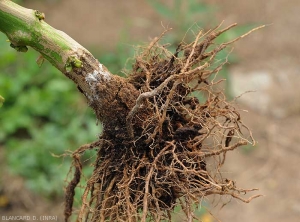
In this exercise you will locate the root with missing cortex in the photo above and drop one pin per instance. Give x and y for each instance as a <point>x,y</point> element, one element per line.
<point>170,136</point>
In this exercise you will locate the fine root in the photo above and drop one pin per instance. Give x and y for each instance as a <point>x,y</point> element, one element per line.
<point>178,134</point>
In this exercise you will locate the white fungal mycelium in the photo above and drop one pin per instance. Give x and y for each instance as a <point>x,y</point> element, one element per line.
<point>92,78</point>
<point>104,73</point>
<point>97,76</point>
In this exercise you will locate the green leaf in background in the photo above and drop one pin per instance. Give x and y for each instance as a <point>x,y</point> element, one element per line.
<point>1,100</point>
<point>43,116</point>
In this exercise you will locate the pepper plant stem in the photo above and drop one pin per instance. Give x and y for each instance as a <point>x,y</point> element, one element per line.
<point>24,28</point>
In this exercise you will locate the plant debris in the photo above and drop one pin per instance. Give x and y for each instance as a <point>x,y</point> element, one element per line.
<point>169,149</point>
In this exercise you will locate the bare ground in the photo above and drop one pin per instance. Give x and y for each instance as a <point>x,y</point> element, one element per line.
<point>273,165</point>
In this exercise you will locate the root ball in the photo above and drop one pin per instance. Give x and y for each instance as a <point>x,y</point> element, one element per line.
<point>178,132</point>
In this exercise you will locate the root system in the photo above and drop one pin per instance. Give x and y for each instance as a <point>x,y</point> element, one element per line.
<point>169,148</point>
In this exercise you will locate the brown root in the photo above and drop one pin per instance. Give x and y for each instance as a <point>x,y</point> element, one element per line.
<point>175,142</point>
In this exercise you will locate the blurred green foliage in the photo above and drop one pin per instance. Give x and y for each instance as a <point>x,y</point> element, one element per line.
<point>44,114</point>
<point>1,100</point>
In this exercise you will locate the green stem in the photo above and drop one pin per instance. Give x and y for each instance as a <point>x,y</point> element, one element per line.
<point>26,27</point>
<point>110,96</point>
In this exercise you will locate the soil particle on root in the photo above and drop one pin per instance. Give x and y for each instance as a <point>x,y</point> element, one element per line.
<point>153,153</point>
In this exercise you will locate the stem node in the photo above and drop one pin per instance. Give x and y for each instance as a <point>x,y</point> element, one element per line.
<point>39,15</point>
